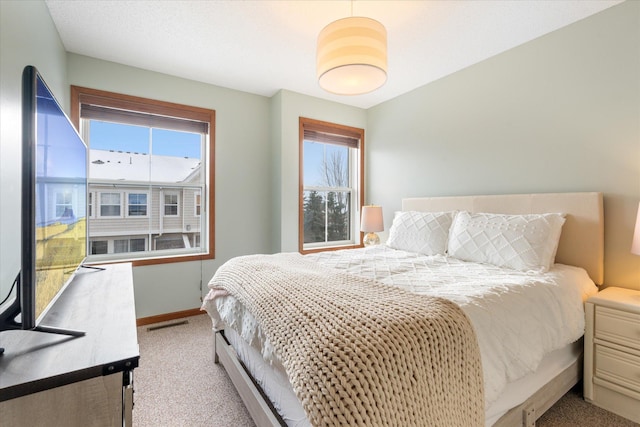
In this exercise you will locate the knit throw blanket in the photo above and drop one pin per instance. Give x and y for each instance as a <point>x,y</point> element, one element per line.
<point>357,352</point>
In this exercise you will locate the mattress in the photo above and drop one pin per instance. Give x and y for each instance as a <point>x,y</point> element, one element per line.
<point>519,317</point>
<point>277,388</point>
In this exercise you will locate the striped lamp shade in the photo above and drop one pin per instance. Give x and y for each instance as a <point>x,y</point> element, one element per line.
<point>352,56</point>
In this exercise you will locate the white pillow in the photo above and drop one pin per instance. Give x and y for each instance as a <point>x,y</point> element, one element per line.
<point>421,232</point>
<point>521,242</point>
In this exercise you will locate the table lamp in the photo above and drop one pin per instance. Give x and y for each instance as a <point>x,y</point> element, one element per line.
<point>635,246</point>
<point>371,222</point>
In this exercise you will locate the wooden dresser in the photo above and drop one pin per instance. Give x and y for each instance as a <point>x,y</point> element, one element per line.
<point>612,351</point>
<point>58,380</point>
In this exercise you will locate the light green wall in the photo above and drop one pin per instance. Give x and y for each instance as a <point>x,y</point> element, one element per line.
<point>560,113</point>
<point>242,176</point>
<point>27,37</point>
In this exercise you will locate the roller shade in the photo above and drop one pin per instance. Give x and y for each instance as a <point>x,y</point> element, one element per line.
<point>94,112</point>
<point>331,139</point>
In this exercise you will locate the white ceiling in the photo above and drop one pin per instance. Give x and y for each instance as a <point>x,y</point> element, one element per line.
<point>264,46</point>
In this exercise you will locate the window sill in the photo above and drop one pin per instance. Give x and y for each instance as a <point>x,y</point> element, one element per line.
<point>137,262</point>
<point>330,248</point>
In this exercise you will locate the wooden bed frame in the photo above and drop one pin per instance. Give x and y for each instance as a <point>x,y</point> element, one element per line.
<point>581,244</point>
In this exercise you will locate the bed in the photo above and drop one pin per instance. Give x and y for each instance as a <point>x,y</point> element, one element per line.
<point>544,371</point>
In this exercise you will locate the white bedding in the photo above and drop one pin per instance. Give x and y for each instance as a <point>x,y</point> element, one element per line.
<point>518,316</point>
<point>276,386</point>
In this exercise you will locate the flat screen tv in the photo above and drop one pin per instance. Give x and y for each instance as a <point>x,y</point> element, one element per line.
<point>54,207</point>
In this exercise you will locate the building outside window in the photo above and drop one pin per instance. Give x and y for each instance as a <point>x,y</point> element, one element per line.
<point>331,164</point>
<point>150,175</point>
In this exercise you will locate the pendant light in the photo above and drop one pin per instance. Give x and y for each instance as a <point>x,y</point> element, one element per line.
<point>352,56</point>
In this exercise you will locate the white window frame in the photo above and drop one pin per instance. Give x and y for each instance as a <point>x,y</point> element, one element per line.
<point>148,204</point>
<point>99,204</point>
<point>91,200</point>
<point>166,193</point>
<point>197,203</point>
<point>65,204</point>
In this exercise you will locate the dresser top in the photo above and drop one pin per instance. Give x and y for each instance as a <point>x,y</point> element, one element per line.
<point>100,303</point>
<point>618,298</point>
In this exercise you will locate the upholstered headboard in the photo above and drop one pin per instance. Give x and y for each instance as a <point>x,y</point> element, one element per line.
<point>582,239</point>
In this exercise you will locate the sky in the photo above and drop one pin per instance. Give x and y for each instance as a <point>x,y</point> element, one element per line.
<point>113,136</point>
<point>313,156</point>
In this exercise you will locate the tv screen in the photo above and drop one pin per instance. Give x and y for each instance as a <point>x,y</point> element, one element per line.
<point>54,208</point>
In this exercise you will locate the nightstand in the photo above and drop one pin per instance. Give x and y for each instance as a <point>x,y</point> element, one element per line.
<point>612,351</point>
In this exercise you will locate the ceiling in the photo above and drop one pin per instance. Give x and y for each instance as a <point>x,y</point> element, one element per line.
<point>262,46</point>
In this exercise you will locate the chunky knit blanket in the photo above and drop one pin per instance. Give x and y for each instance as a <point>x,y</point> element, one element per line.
<point>359,353</point>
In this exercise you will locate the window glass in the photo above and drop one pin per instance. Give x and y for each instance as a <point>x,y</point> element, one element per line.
<point>147,159</point>
<point>137,204</point>
<point>197,203</point>
<point>137,245</point>
<point>120,246</point>
<point>90,205</point>
<point>99,247</point>
<point>331,163</point>
<point>170,242</point>
<point>109,204</point>
<point>64,207</point>
<point>171,204</point>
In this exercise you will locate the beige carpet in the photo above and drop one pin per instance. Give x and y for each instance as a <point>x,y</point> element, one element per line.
<point>177,384</point>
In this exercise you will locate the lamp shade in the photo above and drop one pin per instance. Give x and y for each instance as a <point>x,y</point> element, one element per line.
<point>352,56</point>
<point>635,246</point>
<point>371,219</point>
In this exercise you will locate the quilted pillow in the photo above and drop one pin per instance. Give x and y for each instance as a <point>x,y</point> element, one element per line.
<point>421,232</point>
<point>521,242</point>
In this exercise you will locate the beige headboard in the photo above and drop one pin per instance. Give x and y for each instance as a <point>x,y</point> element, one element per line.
<point>582,239</point>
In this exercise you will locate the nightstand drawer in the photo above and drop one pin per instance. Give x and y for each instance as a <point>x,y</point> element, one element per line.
<point>617,367</point>
<point>618,326</point>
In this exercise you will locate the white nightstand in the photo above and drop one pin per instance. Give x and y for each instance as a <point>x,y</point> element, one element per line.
<point>612,351</point>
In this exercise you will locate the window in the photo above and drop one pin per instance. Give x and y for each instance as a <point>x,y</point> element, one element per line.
<point>146,159</point>
<point>64,206</point>
<point>196,203</point>
<point>110,204</point>
<point>99,247</point>
<point>331,175</point>
<point>137,204</point>
<point>90,204</point>
<point>120,246</point>
<point>170,242</point>
<point>171,204</point>
<point>137,245</point>
<point>128,245</point>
